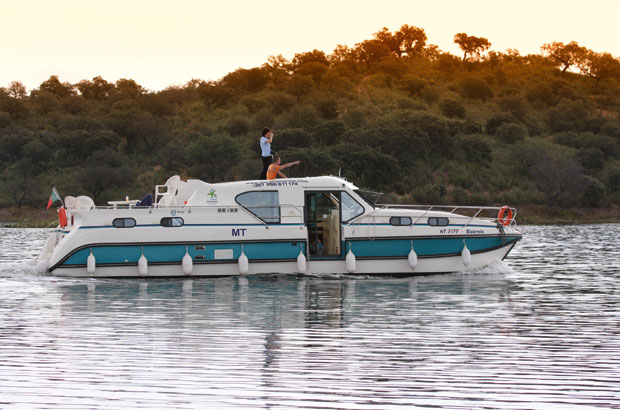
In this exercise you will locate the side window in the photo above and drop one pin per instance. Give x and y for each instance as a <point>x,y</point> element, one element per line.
<point>171,222</point>
<point>124,223</point>
<point>400,221</point>
<point>263,204</point>
<point>350,207</point>
<point>438,221</point>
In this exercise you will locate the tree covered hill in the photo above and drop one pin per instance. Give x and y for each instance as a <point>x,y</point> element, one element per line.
<point>393,113</point>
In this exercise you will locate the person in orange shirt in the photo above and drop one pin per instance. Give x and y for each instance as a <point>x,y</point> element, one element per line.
<point>274,169</point>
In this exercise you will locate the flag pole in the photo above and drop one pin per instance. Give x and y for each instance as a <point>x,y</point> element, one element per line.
<point>59,198</point>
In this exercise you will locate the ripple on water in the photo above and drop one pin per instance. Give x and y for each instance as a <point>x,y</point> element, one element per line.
<point>538,331</point>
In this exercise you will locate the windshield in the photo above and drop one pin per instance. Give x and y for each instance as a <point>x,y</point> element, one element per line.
<point>370,197</point>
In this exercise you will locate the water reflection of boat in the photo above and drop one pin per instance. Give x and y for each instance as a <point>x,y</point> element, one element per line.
<point>310,225</point>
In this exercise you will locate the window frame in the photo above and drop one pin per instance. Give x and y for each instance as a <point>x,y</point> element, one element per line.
<point>400,218</point>
<point>342,221</point>
<point>438,219</point>
<point>124,224</point>
<point>171,218</point>
<point>279,217</point>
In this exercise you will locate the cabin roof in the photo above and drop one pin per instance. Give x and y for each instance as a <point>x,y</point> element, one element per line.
<point>225,192</point>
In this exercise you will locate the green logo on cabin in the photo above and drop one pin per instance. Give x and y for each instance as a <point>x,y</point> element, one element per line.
<point>213,195</point>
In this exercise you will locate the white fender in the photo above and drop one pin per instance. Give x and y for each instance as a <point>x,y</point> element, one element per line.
<point>350,261</point>
<point>466,255</point>
<point>91,263</point>
<point>412,259</point>
<point>41,266</point>
<point>244,264</point>
<point>301,262</point>
<point>143,265</point>
<point>187,263</point>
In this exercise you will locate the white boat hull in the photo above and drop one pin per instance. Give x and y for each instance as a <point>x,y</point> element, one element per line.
<point>315,226</point>
<point>384,267</point>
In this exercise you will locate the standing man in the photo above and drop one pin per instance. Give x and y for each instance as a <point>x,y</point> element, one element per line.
<point>265,149</point>
<point>274,169</point>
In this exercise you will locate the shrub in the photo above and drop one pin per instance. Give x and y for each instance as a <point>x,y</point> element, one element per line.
<point>611,129</point>
<point>514,105</point>
<point>511,132</point>
<point>466,127</point>
<point>496,120</point>
<point>594,192</point>
<point>329,133</point>
<point>301,116</point>
<point>452,109</point>
<point>412,85</point>
<point>541,93</point>
<point>568,116</point>
<point>292,137</point>
<point>613,179</point>
<point>474,150</point>
<point>591,158</point>
<point>476,89</point>
<point>570,139</point>
<point>5,119</point>
<point>237,126</point>
<point>430,94</point>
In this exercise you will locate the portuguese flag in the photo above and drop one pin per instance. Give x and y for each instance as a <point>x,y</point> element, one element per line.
<point>53,198</point>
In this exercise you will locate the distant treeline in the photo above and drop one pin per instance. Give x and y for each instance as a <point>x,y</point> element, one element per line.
<point>392,114</point>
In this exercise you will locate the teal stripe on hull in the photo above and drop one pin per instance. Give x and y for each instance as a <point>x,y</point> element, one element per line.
<point>173,253</point>
<point>382,248</point>
<point>378,248</point>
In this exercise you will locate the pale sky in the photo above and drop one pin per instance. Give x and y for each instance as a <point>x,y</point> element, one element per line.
<point>160,43</point>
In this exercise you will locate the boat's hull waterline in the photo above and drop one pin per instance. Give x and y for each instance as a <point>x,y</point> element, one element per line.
<point>314,226</point>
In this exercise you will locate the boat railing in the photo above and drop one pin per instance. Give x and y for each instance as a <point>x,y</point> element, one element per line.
<point>286,213</point>
<point>465,213</point>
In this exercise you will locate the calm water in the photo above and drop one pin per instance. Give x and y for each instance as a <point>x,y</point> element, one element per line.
<point>540,331</point>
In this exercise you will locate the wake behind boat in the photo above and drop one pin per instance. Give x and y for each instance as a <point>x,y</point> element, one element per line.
<point>300,225</point>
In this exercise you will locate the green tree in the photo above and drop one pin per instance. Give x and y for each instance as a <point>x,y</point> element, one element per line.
<point>472,46</point>
<point>107,169</point>
<point>214,159</point>
<point>97,89</point>
<point>292,137</point>
<point>371,51</point>
<point>215,95</point>
<point>314,56</point>
<point>5,119</point>
<point>613,179</point>
<point>592,159</point>
<point>552,169</point>
<point>20,182</point>
<point>329,132</point>
<point>314,161</point>
<point>476,88</point>
<point>452,109</point>
<point>408,40</point>
<point>127,88</point>
<point>243,80</point>
<point>564,55</point>
<point>511,132</point>
<point>594,192</point>
<point>53,86</point>
<point>599,65</point>
<point>17,90</point>
<point>365,165</point>
<point>13,143</point>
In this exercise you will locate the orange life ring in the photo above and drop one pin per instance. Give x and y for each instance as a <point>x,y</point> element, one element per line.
<point>62,216</point>
<point>504,216</point>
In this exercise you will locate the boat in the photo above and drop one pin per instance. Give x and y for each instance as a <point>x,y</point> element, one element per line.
<point>312,225</point>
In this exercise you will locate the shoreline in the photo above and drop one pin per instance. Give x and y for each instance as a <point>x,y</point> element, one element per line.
<point>527,215</point>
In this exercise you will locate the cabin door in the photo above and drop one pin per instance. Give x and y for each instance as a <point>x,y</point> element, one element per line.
<point>322,215</point>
